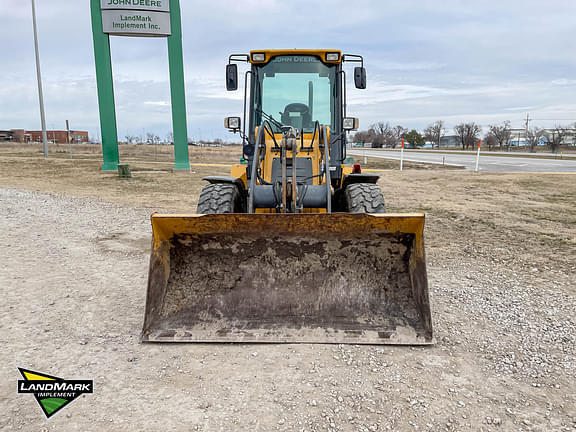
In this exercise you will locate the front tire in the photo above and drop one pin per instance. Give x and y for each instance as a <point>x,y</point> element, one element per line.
<point>364,198</point>
<point>220,198</point>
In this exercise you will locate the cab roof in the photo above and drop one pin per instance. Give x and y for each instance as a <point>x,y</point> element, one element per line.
<point>269,54</point>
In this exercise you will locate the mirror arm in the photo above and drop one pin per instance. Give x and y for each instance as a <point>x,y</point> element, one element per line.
<point>238,58</point>
<point>354,58</point>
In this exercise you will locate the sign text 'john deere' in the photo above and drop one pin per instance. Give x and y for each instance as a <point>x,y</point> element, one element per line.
<point>153,5</point>
<point>136,17</point>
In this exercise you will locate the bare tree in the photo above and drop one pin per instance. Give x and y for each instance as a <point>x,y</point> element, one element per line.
<point>468,134</point>
<point>382,135</point>
<point>558,135</point>
<point>364,137</point>
<point>377,138</point>
<point>502,133</point>
<point>360,137</point>
<point>535,134</point>
<point>170,138</point>
<point>398,132</point>
<point>434,132</point>
<point>491,140</point>
<point>152,139</point>
<point>130,139</point>
<point>460,130</point>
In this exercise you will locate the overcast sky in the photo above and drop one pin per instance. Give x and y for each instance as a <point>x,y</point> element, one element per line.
<point>483,61</point>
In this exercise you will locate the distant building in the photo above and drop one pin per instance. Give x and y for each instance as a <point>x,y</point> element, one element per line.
<point>518,137</point>
<point>20,135</point>
<point>54,136</point>
<point>6,136</point>
<point>450,141</point>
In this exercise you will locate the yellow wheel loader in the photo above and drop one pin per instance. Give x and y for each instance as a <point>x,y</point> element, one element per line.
<point>295,245</point>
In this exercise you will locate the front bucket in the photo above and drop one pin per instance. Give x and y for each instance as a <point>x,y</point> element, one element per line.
<point>310,278</point>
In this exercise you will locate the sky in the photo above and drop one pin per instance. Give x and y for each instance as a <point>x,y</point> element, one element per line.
<point>451,60</point>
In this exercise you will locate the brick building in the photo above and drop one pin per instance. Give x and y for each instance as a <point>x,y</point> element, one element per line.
<point>55,136</point>
<point>59,136</point>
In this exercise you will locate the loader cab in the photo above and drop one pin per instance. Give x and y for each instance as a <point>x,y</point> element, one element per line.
<point>296,88</point>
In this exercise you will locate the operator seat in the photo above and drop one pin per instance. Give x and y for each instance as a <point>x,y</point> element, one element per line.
<point>297,115</point>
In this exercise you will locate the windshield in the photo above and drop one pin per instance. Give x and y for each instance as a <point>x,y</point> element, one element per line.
<point>295,90</point>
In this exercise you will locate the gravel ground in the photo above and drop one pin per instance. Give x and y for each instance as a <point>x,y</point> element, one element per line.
<point>73,276</point>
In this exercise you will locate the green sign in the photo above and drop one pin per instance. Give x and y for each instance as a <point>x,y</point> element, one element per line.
<point>138,18</point>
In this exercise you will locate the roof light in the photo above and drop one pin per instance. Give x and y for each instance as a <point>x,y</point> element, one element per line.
<point>332,56</point>
<point>258,57</point>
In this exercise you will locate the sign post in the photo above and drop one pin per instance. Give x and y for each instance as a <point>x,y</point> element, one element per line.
<point>478,155</point>
<point>402,155</point>
<point>177,90</point>
<point>139,18</point>
<point>104,82</point>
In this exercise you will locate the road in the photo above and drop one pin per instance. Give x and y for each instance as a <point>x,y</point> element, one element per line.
<point>487,163</point>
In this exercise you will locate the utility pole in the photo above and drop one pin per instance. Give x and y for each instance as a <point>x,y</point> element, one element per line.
<point>39,75</point>
<point>527,123</point>
<point>68,140</point>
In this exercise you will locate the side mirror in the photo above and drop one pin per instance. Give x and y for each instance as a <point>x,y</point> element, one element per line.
<point>360,77</point>
<point>350,123</point>
<point>232,123</point>
<point>231,77</point>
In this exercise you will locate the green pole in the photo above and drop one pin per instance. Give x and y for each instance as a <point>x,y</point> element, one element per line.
<point>105,90</point>
<point>181,159</point>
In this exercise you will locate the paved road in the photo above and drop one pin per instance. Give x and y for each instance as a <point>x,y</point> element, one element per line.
<point>487,163</point>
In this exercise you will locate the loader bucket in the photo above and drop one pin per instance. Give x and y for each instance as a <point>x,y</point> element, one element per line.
<point>293,278</point>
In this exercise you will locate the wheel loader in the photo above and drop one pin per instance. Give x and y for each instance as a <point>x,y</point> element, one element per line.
<point>294,246</point>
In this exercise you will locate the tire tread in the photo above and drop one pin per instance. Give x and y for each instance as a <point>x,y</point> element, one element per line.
<point>219,198</point>
<point>364,198</point>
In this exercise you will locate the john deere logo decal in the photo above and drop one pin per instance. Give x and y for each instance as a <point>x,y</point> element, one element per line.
<point>52,393</point>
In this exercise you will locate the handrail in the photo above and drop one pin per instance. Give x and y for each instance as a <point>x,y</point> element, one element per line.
<point>255,164</point>
<point>327,170</point>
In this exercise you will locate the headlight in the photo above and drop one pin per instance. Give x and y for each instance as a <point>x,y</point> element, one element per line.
<point>232,123</point>
<point>350,123</point>
<point>258,57</point>
<point>332,56</point>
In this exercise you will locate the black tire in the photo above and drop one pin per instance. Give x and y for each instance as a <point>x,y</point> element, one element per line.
<point>364,198</point>
<point>220,198</point>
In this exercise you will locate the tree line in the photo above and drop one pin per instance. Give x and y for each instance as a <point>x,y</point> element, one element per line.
<point>382,134</point>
